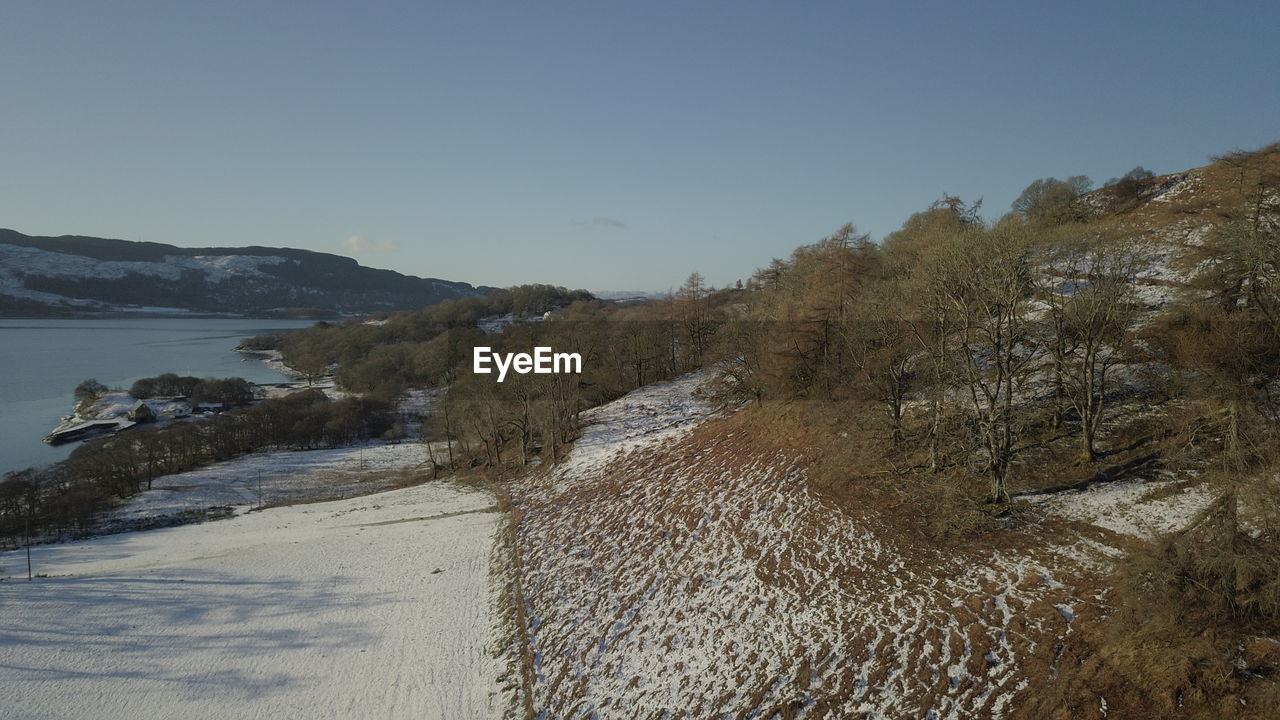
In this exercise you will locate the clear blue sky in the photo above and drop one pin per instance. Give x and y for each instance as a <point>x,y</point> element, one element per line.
<point>597,144</point>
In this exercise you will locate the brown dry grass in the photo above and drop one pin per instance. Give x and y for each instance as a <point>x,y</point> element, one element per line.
<point>1220,188</point>
<point>342,485</point>
<point>1144,661</point>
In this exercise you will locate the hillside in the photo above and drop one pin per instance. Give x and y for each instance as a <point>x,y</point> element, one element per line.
<point>1014,469</point>
<point>1168,217</point>
<point>679,561</point>
<point>73,275</point>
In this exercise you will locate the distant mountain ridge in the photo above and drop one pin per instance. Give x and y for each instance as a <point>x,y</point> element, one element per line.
<point>76,275</point>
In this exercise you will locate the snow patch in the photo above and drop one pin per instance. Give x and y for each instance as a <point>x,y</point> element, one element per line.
<point>1176,187</point>
<point>1123,507</point>
<point>17,261</point>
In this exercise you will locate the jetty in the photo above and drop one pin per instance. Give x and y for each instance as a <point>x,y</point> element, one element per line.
<point>78,431</point>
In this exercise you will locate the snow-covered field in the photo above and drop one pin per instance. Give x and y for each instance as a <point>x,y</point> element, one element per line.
<point>372,607</point>
<point>273,478</point>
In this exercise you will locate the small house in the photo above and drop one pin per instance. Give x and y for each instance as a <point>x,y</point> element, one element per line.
<point>142,412</point>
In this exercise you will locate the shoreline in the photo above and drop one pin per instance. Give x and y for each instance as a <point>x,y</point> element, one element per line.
<point>185,315</point>
<point>96,421</point>
<point>286,476</point>
<point>76,427</point>
<point>273,359</point>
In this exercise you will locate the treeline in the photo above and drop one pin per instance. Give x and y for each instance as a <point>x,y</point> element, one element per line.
<point>974,339</point>
<point>950,328</point>
<point>970,338</point>
<point>1197,608</point>
<point>622,348</point>
<point>229,392</point>
<point>65,497</point>
<point>483,422</point>
<point>408,349</point>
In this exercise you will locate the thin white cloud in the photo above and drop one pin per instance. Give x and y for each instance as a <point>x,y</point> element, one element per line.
<point>606,222</point>
<point>360,245</point>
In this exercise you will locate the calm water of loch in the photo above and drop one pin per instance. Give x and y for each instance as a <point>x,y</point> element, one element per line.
<point>41,362</point>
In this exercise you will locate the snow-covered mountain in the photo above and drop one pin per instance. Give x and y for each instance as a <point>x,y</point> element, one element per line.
<point>72,275</point>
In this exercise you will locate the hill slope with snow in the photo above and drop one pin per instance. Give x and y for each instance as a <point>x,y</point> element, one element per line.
<point>71,275</point>
<point>679,564</point>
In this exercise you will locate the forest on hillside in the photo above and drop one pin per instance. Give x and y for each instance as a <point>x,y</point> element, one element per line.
<point>1127,332</point>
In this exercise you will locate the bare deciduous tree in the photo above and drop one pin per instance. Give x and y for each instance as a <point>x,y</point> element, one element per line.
<point>878,343</point>
<point>1090,312</point>
<point>980,286</point>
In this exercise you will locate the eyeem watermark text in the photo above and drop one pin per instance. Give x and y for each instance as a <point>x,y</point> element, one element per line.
<point>542,362</point>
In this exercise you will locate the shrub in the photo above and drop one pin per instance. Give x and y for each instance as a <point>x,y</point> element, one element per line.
<point>89,390</point>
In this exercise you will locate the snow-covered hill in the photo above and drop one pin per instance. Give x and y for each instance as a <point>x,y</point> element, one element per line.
<point>64,275</point>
